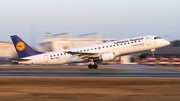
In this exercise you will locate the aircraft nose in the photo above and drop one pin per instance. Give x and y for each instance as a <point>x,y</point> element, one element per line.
<point>167,42</point>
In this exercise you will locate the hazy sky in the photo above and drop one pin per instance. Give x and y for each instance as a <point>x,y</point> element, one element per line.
<point>110,18</point>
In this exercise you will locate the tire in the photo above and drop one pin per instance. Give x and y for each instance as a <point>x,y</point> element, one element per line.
<point>95,66</point>
<point>90,66</point>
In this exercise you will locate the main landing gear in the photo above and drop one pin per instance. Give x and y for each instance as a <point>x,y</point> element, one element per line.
<point>90,66</point>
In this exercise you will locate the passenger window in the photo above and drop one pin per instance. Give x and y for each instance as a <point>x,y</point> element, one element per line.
<point>107,46</point>
<point>99,47</point>
<point>114,45</point>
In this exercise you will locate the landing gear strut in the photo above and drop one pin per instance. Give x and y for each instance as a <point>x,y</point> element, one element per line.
<point>153,50</point>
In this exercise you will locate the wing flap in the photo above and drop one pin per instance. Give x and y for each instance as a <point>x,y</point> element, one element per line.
<point>84,55</point>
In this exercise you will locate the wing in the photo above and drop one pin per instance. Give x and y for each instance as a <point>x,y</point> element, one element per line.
<point>85,56</point>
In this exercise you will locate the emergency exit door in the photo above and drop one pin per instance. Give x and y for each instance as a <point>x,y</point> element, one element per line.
<point>46,58</point>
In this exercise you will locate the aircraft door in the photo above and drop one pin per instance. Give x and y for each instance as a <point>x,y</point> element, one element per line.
<point>148,41</point>
<point>45,58</point>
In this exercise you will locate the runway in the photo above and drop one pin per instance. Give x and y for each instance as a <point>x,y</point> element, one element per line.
<point>80,71</point>
<point>86,74</point>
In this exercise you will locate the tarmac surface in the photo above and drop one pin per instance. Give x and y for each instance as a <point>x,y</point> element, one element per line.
<point>82,71</point>
<point>88,74</point>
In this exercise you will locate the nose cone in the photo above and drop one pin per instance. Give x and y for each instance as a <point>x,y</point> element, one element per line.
<point>167,42</point>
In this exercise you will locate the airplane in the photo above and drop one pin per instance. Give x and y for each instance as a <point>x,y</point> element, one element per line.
<point>91,53</point>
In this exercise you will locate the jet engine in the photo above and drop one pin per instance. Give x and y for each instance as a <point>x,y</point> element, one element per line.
<point>107,56</point>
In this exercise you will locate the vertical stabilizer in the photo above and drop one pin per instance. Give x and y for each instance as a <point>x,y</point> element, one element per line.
<point>23,49</point>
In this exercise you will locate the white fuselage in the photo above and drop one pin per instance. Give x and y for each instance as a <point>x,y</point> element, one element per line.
<point>119,47</point>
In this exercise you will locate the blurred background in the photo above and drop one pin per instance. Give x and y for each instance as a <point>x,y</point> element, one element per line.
<point>49,25</point>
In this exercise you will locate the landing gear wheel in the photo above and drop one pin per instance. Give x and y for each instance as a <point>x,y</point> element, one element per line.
<point>95,66</point>
<point>90,66</point>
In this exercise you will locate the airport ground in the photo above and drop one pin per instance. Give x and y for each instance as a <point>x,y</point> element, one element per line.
<point>47,88</point>
<point>89,89</point>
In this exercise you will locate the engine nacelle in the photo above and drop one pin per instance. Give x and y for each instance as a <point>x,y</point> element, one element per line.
<point>107,56</point>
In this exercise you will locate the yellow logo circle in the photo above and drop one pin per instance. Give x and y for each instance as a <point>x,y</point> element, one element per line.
<point>20,46</point>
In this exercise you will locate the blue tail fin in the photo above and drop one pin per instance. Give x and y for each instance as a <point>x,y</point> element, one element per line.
<point>22,49</point>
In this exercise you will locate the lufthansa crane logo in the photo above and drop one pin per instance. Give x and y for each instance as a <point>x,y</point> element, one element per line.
<point>20,46</point>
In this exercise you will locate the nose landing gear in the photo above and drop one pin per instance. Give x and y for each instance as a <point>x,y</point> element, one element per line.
<point>153,50</point>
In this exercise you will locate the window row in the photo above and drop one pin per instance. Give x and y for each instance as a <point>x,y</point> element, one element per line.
<point>108,46</point>
<point>58,54</point>
<point>98,48</point>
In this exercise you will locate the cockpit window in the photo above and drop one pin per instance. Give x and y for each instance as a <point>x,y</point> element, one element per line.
<point>157,38</point>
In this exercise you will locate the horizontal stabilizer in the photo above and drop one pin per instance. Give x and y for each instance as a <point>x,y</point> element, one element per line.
<point>18,59</point>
